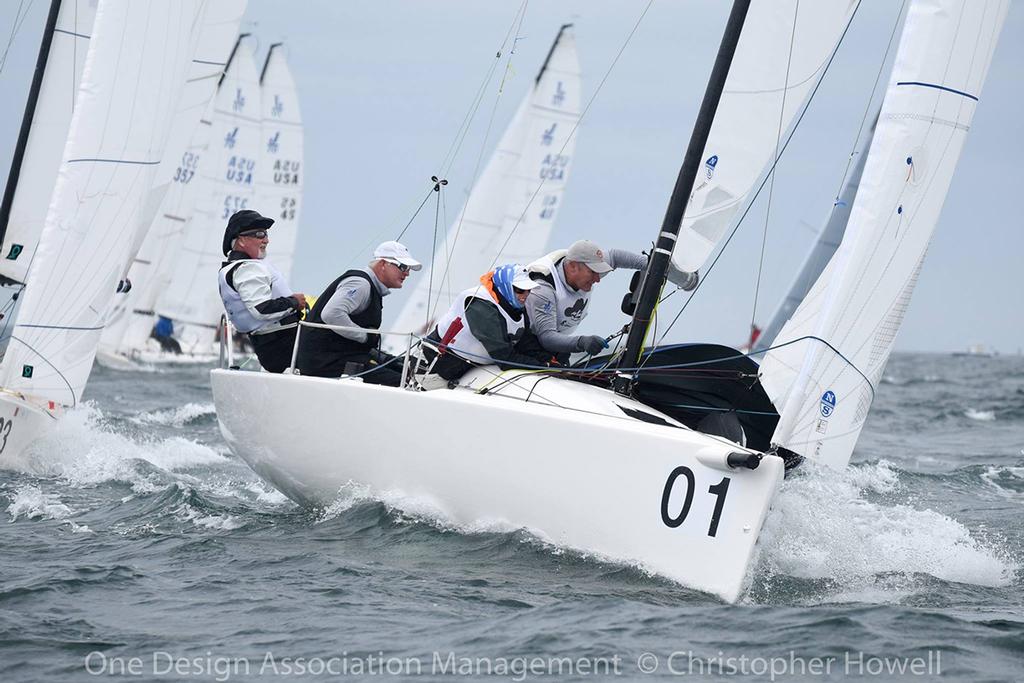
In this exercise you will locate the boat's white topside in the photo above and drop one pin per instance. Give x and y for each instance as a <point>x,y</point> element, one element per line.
<point>558,457</point>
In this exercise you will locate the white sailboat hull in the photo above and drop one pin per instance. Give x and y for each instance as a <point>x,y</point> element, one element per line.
<point>21,423</point>
<point>589,478</point>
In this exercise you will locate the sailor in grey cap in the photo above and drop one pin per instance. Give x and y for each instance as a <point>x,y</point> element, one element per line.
<point>355,300</point>
<point>559,304</point>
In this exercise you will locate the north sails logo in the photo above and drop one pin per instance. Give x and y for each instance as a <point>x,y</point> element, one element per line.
<point>828,403</point>
<point>709,165</point>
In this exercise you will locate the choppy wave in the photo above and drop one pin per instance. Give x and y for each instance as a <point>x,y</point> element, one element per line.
<point>176,417</point>
<point>30,502</point>
<point>980,415</point>
<point>850,528</point>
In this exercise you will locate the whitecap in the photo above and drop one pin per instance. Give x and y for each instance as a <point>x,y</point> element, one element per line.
<point>980,415</point>
<point>175,417</point>
<point>31,503</point>
<point>822,526</point>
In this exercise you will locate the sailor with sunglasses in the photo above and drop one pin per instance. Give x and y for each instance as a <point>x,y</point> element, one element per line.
<point>256,297</point>
<point>355,300</point>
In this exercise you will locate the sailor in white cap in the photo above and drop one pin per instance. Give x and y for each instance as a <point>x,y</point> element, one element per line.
<point>355,299</point>
<point>482,326</point>
<point>559,304</point>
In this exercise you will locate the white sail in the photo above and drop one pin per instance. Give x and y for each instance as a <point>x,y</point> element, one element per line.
<point>279,181</point>
<point>782,54</point>
<point>134,73</point>
<point>825,245</point>
<point>837,343</point>
<point>228,181</point>
<point>44,145</point>
<point>532,162</point>
<point>130,324</point>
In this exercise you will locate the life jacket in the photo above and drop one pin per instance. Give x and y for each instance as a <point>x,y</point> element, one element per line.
<point>238,313</point>
<point>570,304</point>
<point>454,331</point>
<point>323,352</point>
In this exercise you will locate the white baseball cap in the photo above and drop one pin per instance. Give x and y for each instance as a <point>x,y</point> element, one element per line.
<point>396,252</point>
<point>521,278</point>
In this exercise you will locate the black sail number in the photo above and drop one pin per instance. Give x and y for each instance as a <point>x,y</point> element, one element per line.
<point>718,490</point>
<point>668,519</point>
<point>5,431</point>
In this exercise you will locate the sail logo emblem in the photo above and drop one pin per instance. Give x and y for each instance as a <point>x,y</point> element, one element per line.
<point>709,165</point>
<point>549,134</point>
<point>828,403</point>
<point>229,139</point>
<point>239,103</point>
<point>272,143</point>
<point>278,107</point>
<point>559,95</point>
<point>15,251</point>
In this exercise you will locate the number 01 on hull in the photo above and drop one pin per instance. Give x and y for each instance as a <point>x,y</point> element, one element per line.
<point>576,465</point>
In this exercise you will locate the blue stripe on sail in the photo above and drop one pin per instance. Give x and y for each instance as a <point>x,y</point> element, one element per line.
<point>938,87</point>
<point>115,161</point>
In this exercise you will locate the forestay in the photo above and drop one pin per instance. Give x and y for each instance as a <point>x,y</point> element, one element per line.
<point>30,194</point>
<point>132,319</point>
<point>227,179</point>
<point>782,54</point>
<point>280,176</point>
<point>134,72</point>
<point>825,245</point>
<point>837,343</point>
<point>511,210</point>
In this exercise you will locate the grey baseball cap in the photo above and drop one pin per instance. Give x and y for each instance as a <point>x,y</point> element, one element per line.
<point>585,251</point>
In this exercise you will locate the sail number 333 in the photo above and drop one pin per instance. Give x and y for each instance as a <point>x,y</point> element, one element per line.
<point>717,490</point>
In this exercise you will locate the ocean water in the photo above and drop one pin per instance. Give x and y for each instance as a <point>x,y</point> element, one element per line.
<point>135,546</point>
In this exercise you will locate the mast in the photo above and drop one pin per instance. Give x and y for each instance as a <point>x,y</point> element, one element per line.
<point>266,62</point>
<point>231,58</point>
<point>657,267</point>
<point>554,46</point>
<point>26,121</point>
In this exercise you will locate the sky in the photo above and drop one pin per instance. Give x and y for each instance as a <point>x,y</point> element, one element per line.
<point>384,87</point>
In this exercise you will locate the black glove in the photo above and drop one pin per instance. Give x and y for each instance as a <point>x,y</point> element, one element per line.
<point>591,343</point>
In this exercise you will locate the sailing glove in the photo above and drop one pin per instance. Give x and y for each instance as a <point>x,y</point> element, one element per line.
<point>591,343</point>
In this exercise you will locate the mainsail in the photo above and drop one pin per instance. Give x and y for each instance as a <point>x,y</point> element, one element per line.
<point>132,320</point>
<point>831,354</point>
<point>43,132</point>
<point>513,205</point>
<point>228,181</point>
<point>279,181</point>
<point>134,73</point>
<point>782,54</point>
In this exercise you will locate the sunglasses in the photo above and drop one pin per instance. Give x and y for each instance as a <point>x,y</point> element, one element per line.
<point>258,234</point>
<point>401,266</point>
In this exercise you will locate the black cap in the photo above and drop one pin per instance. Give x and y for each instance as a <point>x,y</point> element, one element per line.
<point>243,221</point>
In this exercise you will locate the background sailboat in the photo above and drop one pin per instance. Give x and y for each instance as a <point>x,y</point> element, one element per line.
<point>104,196</point>
<point>511,210</point>
<point>127,338</point>
<point>228,177</point>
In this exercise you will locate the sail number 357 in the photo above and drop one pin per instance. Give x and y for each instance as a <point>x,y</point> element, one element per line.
<point>717,490</point>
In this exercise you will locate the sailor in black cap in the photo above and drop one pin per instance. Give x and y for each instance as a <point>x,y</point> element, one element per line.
<point>256,297</point>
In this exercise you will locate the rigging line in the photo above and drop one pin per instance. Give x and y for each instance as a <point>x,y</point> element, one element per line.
<point>757,193</point>
<point>15,27</point>
<point>415,213</point>
<point>774,171</point>
<point>463,131</point>
<point>433,250</point>
<point>480,155</point>
<point>867,107</point>
<point>575,126</point>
